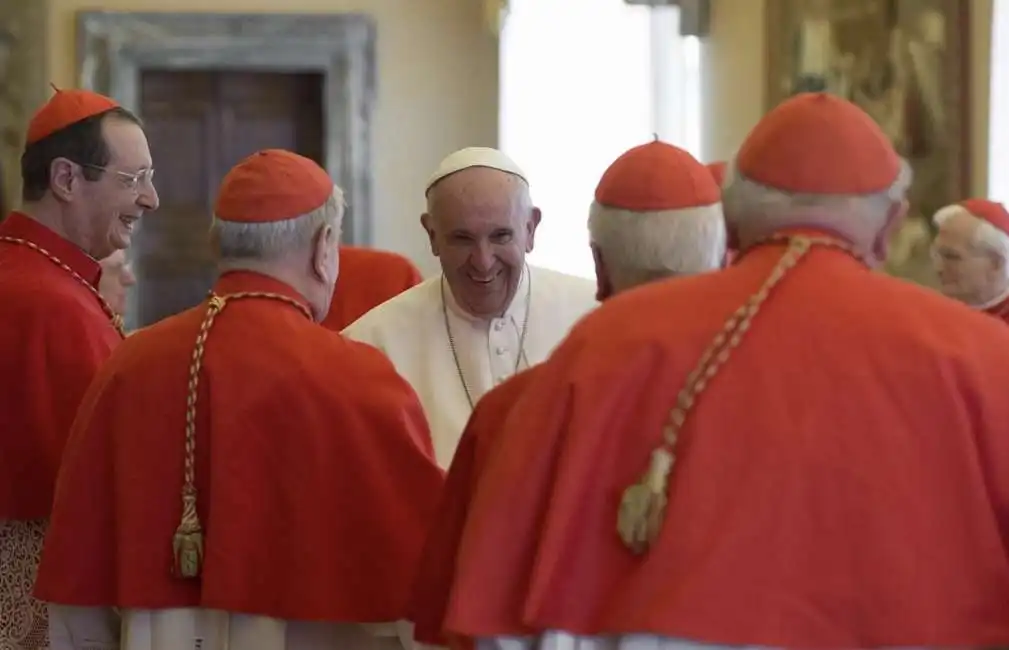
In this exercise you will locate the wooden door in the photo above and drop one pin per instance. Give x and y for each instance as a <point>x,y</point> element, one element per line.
<point>200,124</point>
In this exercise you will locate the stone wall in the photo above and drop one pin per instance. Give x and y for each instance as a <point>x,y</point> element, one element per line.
<point>23,83</point>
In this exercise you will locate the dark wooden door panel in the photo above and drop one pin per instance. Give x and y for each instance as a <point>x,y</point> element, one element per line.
<point>244,134</point>
<point>172,252</point>
<point>257,116</point>
<point>200,123</point>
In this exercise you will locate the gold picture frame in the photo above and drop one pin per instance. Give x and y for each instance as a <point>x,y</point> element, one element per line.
<point>906,63</point>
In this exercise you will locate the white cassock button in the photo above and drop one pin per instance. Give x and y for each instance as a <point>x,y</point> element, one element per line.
<point>500,350</point>
<point>499,325</point>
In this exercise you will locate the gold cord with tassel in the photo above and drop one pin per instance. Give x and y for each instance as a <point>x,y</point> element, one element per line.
<point>116,319</point>
<point>188,541</point>
<point>643,506</point>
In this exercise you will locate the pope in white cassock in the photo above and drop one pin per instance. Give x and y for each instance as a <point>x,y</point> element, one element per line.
<point>488,314</point>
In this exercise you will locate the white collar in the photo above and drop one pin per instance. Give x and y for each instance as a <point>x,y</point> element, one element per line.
<point>516,309</point>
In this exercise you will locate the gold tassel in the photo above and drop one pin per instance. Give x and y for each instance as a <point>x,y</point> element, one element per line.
<point>187,544</point>
<point>643,507</point>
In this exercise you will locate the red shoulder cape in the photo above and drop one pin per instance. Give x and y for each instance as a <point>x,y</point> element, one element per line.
<point>843,482</point>
<point>436,571</point>
<point>53,338</point>
<point>1000,311</point>
<point>316,477</point>
<point>368,277</point>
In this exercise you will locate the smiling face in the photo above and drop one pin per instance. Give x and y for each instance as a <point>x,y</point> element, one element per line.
<point>90,181</point>
<point>481,223</point>
<point>109,207</point>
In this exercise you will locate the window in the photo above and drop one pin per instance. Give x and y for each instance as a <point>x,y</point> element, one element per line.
<point>998,111</point>
<point>578,88</point>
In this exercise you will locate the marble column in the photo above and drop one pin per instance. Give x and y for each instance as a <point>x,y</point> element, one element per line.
<point>23,83</point>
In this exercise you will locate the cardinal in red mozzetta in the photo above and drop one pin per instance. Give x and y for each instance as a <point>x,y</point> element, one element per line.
<point>971,254</point>
<point>656,215</point>
<point>368,277</point>
<point>86,179</point>
<point>238,476</point>
<point>794,452</point>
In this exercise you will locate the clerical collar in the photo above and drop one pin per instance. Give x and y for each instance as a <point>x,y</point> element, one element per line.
<point>20,226</point>
<point>994,302</point>
<point>516,309</point>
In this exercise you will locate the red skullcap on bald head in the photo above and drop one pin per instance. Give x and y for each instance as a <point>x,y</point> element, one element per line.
<point>816,143</point>
<point>272,185</point>
<point>654,177</point>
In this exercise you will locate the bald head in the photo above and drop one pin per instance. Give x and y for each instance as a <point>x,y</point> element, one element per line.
<point>481,223</point>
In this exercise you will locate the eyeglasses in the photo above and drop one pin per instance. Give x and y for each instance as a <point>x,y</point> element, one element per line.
<point>132,181</point>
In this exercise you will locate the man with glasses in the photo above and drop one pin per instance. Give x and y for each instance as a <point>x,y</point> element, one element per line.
<point>87,178</point>
<point>971,255</point>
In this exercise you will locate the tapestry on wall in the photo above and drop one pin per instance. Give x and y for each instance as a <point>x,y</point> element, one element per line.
<point>905,63</point>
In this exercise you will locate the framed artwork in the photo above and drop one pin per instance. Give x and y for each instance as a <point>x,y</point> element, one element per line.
<point>905,62</point>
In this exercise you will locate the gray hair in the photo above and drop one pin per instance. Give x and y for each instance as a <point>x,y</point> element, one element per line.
<point>987,238</point>
<point>641,247</point>
<point>747,201</point>
<point>271,240</point>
